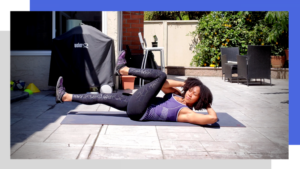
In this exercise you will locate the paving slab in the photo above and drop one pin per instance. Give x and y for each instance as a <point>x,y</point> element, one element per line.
<point>78,129</point>
<point>26,102</point>
<point>119,130</point>
<point>85,152</point>
<point>27,124</point>
<point>183,129</point>
<point>44,102</point>
<point>185,136</point>
<point>103,129</point>
<point>284,123</point>
<point>180,145</point>
<point>13,120</point>
<point>268,115</point>
<point>53,116</point>
<point>269,156</point>
<point>67,138</point>
<point>268,148</point>
<point>32,150</point>
<point>222,146</point>
<point>276,135</point>
<point>181,154</point>
<point>237,134</point>
<point>18,95</point>
<point>14,146</point>
<point>228,155</point>
<point>30,113</point>
<point>139,142</point>
<point>30,136</point>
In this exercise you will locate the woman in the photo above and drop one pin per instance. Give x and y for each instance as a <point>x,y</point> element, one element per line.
<point>143,105</point>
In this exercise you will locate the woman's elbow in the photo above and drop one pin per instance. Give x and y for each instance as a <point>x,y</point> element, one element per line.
<point>212,120</point>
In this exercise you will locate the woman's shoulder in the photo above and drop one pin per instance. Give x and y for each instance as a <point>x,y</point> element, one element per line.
<point>185,110</point>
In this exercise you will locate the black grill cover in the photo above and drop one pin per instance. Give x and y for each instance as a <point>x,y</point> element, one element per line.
<point>85,57</point>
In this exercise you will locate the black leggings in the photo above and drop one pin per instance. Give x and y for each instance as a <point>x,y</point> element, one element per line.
<point>134,105</point>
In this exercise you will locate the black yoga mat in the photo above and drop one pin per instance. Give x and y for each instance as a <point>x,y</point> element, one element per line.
<point>121,118</point>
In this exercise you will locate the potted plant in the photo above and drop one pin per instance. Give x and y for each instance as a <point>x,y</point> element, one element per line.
<point>154,44</point>
<point>287,53</point>
<point>277,57</point>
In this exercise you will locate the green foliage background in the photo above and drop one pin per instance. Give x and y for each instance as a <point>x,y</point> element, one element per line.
<point>232,29</point>
<point>173,15</point>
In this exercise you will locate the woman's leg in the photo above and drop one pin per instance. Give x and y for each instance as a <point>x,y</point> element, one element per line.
<point>134,105</point>
<point>116,100</point>
<point>140,100</point>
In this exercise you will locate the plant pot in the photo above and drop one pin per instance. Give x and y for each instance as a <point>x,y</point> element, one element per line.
<point>154,44</point>
<point>128,82</point>
<point>287,54</point>
<point>277,61</point>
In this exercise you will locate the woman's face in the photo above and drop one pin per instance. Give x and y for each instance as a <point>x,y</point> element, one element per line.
<point>192,95</point>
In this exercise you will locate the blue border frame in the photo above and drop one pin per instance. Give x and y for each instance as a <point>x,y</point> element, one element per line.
<point>159,5</point>
<point>197,5</point>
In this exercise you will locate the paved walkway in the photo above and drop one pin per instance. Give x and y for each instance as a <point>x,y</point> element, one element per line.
<point>36,132</point>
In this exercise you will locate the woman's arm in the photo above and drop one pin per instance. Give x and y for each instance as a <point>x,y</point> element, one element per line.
<point>171,90</point>
<point>170,86</point>
<point>172,83</point>
<point>189,116</point>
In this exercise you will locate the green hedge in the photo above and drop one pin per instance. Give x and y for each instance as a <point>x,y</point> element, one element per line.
<point>230,29</point>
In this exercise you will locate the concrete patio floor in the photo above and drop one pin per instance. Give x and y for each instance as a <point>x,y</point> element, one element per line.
<point>36,132</point>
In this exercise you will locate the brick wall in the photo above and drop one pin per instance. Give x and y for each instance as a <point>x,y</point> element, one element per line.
<point>133,23</point>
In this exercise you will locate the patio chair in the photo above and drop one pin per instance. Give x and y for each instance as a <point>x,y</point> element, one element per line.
<point>229,62</point>
<point>256,64</point>
<point>147,49</point>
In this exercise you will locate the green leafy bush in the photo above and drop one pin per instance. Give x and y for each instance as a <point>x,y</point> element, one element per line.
<point>173,15</point>
<point>229,29</point>
<point>278,34</point>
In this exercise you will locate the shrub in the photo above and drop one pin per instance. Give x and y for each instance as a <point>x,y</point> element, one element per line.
<point>229,29</point>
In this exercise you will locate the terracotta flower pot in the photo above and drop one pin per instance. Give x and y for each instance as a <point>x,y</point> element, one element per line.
<point>128,82</point>
<point>277,61</point>
<point>287,54</point>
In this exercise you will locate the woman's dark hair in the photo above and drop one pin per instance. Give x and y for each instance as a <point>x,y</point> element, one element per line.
<point>205,98</point>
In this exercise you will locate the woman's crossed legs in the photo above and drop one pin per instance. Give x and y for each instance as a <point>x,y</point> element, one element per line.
<point>134,105</point>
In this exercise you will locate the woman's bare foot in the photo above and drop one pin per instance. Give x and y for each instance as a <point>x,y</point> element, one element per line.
<point>124,70</point>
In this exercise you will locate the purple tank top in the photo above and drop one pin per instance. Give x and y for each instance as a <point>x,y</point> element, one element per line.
<point>163,109</point>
